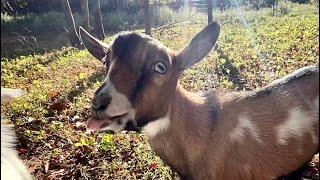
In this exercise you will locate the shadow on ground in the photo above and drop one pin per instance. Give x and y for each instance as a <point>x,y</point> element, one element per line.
<point>14,44</point>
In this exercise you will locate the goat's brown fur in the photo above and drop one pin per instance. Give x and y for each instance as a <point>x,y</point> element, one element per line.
<point>259,134</point>
<point>201,145</point>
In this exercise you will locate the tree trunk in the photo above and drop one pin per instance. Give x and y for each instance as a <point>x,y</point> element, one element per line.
<point>85,14</point>
<point>147,26</point>
<point>98,20</point>
<point>210,18</point>
<point>114,4</point>
<point>155,12</point>
<point>72,32</point>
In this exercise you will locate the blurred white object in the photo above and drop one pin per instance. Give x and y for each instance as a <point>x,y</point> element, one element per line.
<point>12,167</point>
<point>8,94</point>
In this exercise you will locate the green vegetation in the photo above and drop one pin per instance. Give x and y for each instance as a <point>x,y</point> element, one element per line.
<point>252,51</point>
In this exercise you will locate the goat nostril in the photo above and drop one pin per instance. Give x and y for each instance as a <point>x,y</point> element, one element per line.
<point>100,103</point>
<point>102,107</point>
<point>98,107</point>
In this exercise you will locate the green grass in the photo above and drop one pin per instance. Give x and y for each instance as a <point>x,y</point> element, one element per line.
<point>61,83</point>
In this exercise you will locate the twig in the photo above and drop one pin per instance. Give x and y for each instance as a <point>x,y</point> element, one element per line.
<point>10,7</point>
<point>20,36</point>
<point>65,29</point>
<point>24,40</point>
<point>35,40</point>
<point>21,41</point>
<point>27,30</point>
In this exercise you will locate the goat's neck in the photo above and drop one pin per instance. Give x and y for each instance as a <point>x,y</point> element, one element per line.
<point>192,113</point>
<point>189,131</point>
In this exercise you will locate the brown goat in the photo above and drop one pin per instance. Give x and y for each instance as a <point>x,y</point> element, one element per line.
<point>259,134</point>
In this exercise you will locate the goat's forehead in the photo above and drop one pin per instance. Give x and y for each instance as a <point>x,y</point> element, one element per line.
<point>133,47</point>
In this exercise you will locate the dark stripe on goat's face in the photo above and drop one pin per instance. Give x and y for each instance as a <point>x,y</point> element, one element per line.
<point>140,85</point>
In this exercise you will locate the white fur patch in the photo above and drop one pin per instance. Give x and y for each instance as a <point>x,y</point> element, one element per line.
<point>8,94</point>
<point>155,127</point>
<point>298,124</point>
<point>244,124</point>
<point>11,165</point>
<point>119,104</point>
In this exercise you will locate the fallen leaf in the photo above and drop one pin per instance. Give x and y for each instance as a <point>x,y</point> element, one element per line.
<point>153,166</point>
<point>59,105</point>
<point>46,166</point>
<point>53,95</point>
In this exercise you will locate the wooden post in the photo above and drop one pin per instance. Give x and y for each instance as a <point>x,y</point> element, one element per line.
<point>210,18</point>
<point>85,14</point>
<point>98,20</point>
<point>147,26</point>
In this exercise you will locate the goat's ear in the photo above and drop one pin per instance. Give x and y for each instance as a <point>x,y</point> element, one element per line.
<point>10,94</point>
<point>96,47</point>
<point>199,46</point>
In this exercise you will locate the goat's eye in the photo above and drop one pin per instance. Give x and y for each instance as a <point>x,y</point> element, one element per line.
<point>160,68</point>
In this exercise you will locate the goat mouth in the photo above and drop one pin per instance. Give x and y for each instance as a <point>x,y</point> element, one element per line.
<point>100,125</point>
<point>116,119</point>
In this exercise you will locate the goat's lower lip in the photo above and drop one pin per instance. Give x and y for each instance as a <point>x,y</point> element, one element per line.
<point>117,117</point>
<point>112,119</point>
<point>94,124</point>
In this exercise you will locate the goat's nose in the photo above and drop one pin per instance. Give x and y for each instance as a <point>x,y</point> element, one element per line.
<point>100,102</point>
